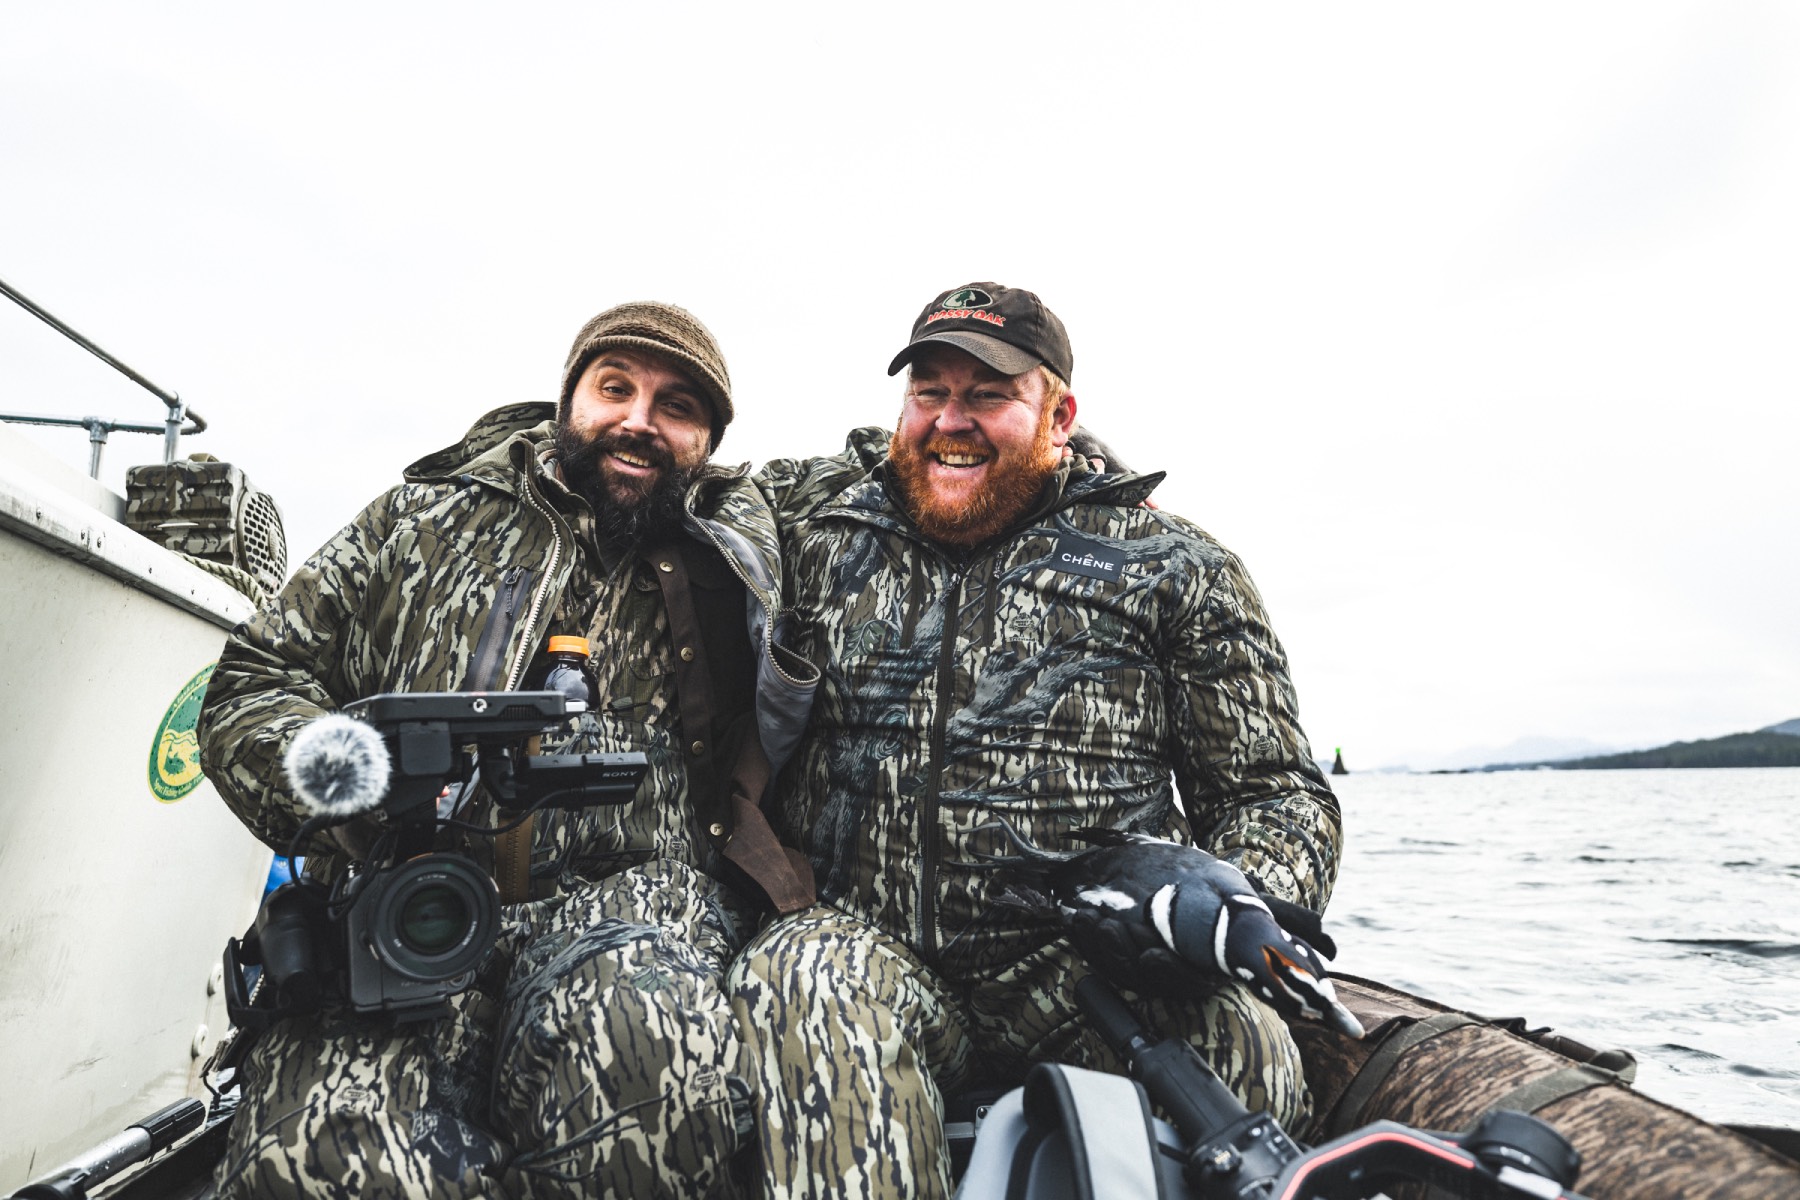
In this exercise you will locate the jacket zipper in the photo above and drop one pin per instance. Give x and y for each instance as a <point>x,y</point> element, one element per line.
<point>492,647</point>
<point>930,834</point>
<point>990,607</point>
<point>537,599</point>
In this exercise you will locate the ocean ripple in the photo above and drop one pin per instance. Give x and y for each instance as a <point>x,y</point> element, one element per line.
<point>1614,905</point>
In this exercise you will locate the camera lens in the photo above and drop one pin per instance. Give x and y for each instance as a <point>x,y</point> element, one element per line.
<point>434,917</point>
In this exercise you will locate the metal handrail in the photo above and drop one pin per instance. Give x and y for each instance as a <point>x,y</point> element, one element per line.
<point>98,428</point>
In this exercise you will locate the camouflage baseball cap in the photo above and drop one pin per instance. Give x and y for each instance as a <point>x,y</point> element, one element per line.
<point>665,329</point>
<point>1009,329</point>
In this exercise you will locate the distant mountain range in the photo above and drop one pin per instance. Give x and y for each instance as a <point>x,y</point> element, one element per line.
<point>1775,746</point>
<point>1524,750</point>
<point>1772,746</point>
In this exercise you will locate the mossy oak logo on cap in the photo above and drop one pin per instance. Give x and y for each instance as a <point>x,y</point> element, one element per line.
<point>966,304</point>
<point>966,298</point>
<point>175,751</point>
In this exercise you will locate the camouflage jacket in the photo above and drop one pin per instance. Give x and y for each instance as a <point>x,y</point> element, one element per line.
<point>451,582</point>
<point>1062,676</point>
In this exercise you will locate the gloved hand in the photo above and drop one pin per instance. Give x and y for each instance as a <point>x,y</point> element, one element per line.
<point>1159,917</point>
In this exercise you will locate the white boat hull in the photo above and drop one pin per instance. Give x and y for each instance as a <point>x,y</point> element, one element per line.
<point>115,903</point>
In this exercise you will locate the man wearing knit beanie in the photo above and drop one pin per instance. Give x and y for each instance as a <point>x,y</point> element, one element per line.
<point>664,331</point>
<point>645,398</point>
<point>594,1053</point>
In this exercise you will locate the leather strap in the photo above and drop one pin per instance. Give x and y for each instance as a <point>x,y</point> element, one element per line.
<point>784,874</point>
<point>714,681</point>
<point>696,697</point>
<point>512,852</point>
<point>512,862</point>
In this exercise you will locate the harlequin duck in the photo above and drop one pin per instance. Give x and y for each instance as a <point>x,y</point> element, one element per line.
<point>1159,917</point>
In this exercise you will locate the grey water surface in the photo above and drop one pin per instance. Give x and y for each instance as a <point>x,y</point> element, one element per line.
<point>1658,911</point>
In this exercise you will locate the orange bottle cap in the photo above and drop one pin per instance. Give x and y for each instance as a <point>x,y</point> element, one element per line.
<point>569,645</point>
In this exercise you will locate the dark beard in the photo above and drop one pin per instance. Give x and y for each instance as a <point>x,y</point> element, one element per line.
<point>644,514</point>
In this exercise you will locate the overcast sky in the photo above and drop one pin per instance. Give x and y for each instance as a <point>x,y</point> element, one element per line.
<point>1472,330</point>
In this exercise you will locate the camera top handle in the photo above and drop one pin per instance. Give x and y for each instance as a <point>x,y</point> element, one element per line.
<point>425,732</point>
<point>1234,1154</point>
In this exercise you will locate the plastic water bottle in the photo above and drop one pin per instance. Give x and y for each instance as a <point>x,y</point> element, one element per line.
<point>566,670</point>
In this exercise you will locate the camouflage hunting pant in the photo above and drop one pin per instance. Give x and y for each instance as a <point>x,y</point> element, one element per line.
<point>590,1059</point>
<point>856,1042</point>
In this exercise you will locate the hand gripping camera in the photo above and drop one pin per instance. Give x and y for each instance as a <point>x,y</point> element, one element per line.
<point>405,928</point>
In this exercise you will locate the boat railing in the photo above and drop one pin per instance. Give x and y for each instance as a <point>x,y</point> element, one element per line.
<point>99,428</point>
<point>202,509</point>
<point>180,419</point>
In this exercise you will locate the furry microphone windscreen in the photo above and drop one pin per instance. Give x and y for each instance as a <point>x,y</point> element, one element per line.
<point>339,766</point>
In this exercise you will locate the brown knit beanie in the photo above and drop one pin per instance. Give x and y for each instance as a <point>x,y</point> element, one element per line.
<point>672,332</point>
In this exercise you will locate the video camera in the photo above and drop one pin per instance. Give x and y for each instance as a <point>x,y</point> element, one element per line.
<point>405,927</point>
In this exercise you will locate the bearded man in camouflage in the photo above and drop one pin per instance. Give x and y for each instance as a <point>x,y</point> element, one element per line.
<point>594,1054</point>
<point>1004,633</point>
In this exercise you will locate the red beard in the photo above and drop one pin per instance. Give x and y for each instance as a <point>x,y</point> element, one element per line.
<point>1014,482</point>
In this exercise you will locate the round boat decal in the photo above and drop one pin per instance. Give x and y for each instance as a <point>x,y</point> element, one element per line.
<point>175,751</point>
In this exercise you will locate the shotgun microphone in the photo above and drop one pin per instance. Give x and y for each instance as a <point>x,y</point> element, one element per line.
<point>339,766</point>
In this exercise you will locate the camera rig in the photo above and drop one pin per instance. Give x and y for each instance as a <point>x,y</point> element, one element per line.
<point>428,733</point>
<point>404,928</point>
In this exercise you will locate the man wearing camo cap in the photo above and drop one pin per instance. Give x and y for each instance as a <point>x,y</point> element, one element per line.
<point>1003,633</point>
<point>595,1053</point>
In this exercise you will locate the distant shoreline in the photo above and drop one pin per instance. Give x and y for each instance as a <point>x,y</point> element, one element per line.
<point>1764,748</point>
<point>1771,746</point>
<point>1760,749</point>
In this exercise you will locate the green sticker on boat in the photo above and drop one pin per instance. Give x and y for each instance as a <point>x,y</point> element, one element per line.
<point>175,752</point>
